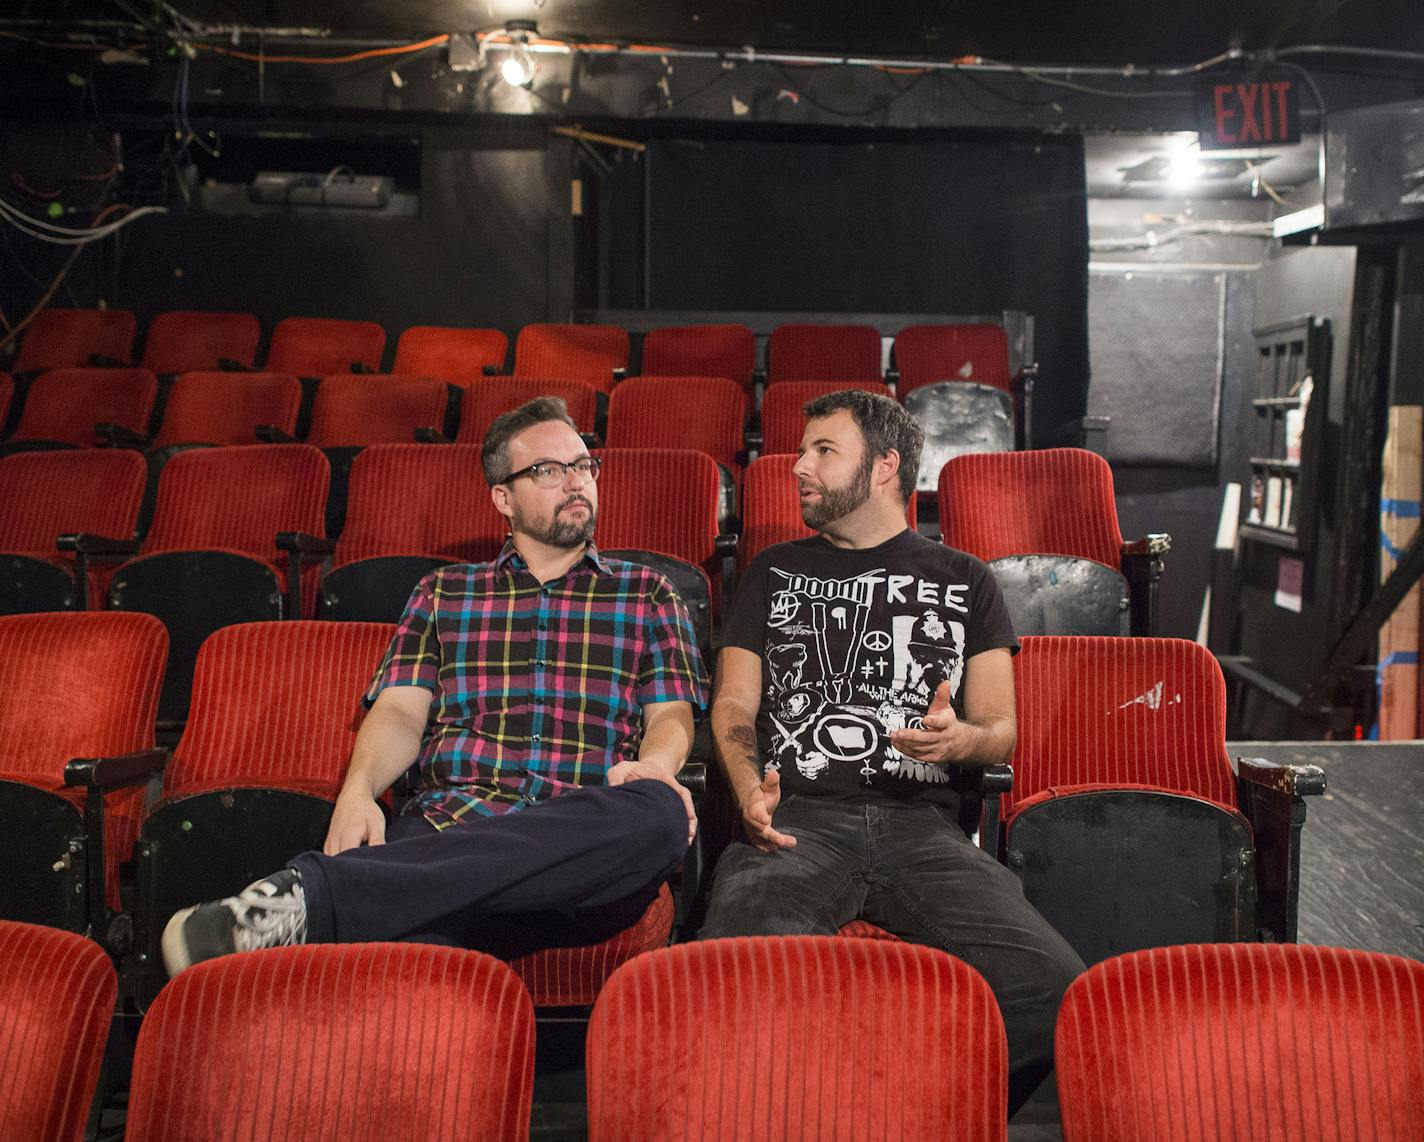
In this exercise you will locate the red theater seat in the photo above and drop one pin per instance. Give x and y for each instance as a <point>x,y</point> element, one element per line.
<point>454,355</point>
<point>783,422</point>
<point>73,685</point>
<point>276,706</point>
<point>64,407</point>
<point>597,354</point>
<point>354,412</point>
<point>1126,822</point>
<point>228,408</point>
<point>924,354</point>
<point>182,341</point>
<point>1037,518</point>
<point>57,993</point>
<point>486,399</point>
<point>701,351</point>
<point>823,353</point>
<point>320,346</point>
<point>351,1043</point>
<point>1271,1043</point>
<point>73,338</point>
<point>853,1039</point>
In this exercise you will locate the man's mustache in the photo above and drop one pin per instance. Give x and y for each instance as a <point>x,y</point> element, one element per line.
<point>575,499</point>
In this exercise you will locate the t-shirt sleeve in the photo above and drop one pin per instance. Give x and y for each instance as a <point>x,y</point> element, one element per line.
<point>744,624</point>
<point>413,657</point>
<point>670,668</point>
<point>989,625</point>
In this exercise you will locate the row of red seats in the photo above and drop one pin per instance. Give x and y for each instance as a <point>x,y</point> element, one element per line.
<point>1058,501</point>
<point>1192,1044</point>
<point>185,341</point>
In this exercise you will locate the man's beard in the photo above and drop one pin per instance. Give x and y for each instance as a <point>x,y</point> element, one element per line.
<point>838,502</point>
<point>557,531</point>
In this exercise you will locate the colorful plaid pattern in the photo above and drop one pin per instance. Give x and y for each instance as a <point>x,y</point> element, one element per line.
<point>538,687</point>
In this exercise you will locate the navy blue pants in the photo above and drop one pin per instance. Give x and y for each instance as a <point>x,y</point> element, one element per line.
<point>575,869</point>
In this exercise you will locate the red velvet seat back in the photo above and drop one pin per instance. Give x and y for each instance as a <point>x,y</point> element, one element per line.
<point>708,414</point>
<point>420,499</point>
<point>771,505</point>
<point>226,408</point>
<point>68,338</point>
<point>80,684</point>
<point>66,404</point>
<point>57,993</point>
<point>1228,1042</point>
<point>783,422</point>
<point>276,704</point>
<point>319,346</point>
<point>358,410</point>
<point>1115,711</point>
<point>44,495</point>
<point>1053,501</point>
<point>489,398</point>
<point>576,352</point>
<point>660,499</point>
<point>928,353</point>
<point>454,355</point>
<point>824,353</point>
<point>796,1037</point>
<point>337,1043</point>
<point>701,351</point>
<point>182,341</point>
<point>238,499</point>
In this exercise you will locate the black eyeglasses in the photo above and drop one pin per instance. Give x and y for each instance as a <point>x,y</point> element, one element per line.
<point>552,473</point>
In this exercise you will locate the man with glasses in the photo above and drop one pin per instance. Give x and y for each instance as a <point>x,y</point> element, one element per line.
<point>547,700</point>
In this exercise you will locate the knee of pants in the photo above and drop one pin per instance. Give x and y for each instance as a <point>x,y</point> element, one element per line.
<point>660,821</point>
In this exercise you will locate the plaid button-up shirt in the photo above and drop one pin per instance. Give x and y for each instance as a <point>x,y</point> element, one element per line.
<point>539,688</point>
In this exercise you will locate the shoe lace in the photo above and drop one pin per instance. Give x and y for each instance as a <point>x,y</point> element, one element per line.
<point>268,921</point>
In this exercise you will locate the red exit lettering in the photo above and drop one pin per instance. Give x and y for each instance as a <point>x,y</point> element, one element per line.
<point>1251,112</point>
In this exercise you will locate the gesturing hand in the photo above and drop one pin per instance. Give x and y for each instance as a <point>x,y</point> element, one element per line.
<point>626,771</point>
<point>942,736</point>
<point>758,804</point>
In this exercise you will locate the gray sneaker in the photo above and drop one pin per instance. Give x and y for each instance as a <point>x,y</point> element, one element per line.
<point>268,913</point>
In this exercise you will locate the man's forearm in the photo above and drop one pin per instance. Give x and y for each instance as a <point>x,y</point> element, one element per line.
<point>666,744</point>
<point>386,746</point>
<point>734,735</point>
<point>991,743</point>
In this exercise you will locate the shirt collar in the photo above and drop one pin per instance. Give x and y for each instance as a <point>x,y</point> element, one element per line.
<point>509,559</point>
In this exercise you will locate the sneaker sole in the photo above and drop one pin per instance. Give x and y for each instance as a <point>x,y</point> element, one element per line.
<point>176,956</point>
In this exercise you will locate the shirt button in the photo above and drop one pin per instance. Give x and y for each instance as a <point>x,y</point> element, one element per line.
<point>534,738</point>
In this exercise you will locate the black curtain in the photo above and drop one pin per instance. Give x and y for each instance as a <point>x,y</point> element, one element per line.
<point>969,223</point>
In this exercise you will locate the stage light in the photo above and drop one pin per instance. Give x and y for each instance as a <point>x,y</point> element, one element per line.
<point>518,66</point>
<point>1185,167</point>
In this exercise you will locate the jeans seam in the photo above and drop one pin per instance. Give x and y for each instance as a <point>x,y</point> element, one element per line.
<point>822,909</point>
<point>941,937</point>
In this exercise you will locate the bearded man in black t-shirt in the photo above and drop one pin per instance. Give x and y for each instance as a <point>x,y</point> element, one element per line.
<point>856,669</point>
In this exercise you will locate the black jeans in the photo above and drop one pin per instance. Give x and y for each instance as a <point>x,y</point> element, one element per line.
<point>575,869</point>
<point>909,869</point>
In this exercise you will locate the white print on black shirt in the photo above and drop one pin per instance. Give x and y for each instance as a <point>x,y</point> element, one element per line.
<point>853,659</point>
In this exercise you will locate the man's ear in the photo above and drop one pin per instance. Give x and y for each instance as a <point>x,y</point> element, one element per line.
<point>502,500</point>
<point>887,468</point>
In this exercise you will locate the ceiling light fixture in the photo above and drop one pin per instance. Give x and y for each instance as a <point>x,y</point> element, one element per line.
<point>518,66</point>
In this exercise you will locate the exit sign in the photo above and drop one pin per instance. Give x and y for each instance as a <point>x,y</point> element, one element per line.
<point>1247,109</point>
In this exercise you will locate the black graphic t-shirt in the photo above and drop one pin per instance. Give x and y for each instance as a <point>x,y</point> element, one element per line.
<point>854,644</point>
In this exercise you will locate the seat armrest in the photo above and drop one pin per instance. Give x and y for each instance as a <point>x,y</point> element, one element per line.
<point>271,434</point>
<point>228,365</point>
<point>105,773</point>
<point>693,777</point>
<point>892,375</point>
<point>620,374</point>
<point>361,367</point>
<point>429,435</point>
<point>727,546</point>
<point>755,439</point>
<point>491,370</point>
<point>1272,798</point>
<point>1285,780</point>
<point>120,436</point>
<point>1088,432</point>
<point>996,779</point>
<point>1154,543</point>
<point>100,361</point>
<point>994,782</point>
<point>86,544</point>
<point>300,541</point>
<point>759,377</point>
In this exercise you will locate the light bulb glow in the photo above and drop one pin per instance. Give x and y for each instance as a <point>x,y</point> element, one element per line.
<point>517,68</point>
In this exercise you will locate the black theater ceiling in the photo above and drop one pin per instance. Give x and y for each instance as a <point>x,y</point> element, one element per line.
<point>1103,32</point>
